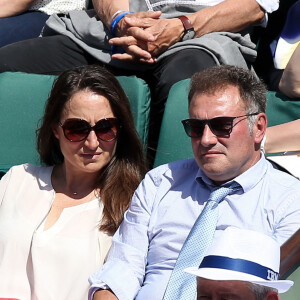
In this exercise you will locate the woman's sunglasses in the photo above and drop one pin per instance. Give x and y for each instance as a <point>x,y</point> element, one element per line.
<point>77,130</point>
<point>220,126</point>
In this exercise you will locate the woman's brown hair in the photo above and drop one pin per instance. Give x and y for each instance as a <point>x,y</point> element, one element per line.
<point>118,180</point>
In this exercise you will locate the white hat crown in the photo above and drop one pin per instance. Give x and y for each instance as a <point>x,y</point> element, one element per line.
<point>240,254</point>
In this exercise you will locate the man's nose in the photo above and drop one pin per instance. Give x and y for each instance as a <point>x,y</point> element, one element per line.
<point>208,137</point>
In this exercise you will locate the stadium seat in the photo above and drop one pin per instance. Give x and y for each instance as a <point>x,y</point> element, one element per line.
<point>22,99</point>
<point>173,143</point>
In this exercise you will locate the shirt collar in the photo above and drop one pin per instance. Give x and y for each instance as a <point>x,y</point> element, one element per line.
<point>247,180</point>
<point>253,175</point>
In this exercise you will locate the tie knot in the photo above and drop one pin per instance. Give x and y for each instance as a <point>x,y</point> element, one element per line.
<point>220,193</point>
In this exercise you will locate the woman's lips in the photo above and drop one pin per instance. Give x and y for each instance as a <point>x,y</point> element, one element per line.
<point>91,155</point>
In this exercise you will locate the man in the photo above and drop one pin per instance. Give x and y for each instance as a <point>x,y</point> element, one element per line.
<point>156,42</point>
<point>240,265</point>
<point>227,125</point>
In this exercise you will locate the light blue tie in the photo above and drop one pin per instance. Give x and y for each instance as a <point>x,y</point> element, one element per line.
<point>183,285</point>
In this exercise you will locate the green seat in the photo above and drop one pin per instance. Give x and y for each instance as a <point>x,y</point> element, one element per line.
<point>139,97</point>
<point>281,109</point>
<point>174,144</point>
<point>294,291</point>
<point>22,99</point>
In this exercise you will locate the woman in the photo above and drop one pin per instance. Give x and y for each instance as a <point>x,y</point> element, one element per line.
<point>56,220</point>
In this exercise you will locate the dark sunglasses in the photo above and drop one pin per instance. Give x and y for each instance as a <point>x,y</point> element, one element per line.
<point>220,126</point>
<point>77,130</point>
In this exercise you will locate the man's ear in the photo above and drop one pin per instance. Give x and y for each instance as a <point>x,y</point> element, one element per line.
<point>260,127</point>
<point>272,296</point>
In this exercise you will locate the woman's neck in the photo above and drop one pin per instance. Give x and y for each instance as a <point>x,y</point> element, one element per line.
<point>73,184</point>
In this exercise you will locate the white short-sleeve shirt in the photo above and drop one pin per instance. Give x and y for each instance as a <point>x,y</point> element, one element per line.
<point>58,6</point>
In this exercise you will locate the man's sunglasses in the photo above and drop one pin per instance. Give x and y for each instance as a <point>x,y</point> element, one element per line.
<point>220,126</point>
<point>77,130</point>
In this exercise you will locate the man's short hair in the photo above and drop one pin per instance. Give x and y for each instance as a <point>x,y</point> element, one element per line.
<point>261,291</point>
<point>217,78</point>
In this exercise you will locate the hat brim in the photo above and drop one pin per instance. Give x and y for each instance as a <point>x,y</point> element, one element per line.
<point>281,286</point>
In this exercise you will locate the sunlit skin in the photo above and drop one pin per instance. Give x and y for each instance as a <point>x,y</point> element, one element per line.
<point>224,158</point>
<point>86,158</point>
<point>227,290</point>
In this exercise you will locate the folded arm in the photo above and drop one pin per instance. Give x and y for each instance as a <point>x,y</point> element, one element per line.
<point>14,7</point>
<point>283,137</point>
<point>229,15</point>
<point>124,270</point>
<point>106,8</point>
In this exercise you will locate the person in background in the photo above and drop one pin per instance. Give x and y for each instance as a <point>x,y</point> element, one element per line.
<point>242,265</point>
<point>289,83</point>
<point>150,39</point>
<point>285,75</point>
<point>283,140</point>
<point>56,220</point>
<point>283,137</point>
<point>227,124</point>
<point>24,19</point>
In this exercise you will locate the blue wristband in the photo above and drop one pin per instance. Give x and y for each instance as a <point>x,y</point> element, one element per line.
<point>116,21</point>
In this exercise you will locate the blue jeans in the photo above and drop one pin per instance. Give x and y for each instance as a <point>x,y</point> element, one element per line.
<point>21,27</point>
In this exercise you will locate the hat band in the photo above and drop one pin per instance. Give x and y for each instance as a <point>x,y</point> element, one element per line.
<point>240,265</point>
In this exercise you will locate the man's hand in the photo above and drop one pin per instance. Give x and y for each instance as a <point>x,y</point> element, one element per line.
<point>134,36</point>
<point>122,26</point>
<point>165,32</point>
<point>104,295</point>
<point>146,38</point>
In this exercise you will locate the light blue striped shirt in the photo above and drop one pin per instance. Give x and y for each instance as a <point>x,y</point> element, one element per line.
<point>164,209</point>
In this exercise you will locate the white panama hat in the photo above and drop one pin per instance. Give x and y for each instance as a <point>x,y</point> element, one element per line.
<point>238,254</point>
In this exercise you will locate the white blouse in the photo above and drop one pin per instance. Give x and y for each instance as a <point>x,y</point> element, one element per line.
<point>51,264</point>
<point>58,6</point>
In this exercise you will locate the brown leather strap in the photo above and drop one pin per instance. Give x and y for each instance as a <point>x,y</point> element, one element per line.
<point>186,22</point>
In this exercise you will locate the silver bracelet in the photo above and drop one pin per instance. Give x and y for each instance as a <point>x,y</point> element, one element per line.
<point>116,13</point>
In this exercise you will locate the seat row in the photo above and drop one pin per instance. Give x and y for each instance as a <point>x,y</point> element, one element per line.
<point>22,99</point>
